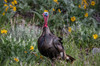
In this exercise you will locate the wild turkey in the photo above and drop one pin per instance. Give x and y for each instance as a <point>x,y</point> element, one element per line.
<point>50,45</point>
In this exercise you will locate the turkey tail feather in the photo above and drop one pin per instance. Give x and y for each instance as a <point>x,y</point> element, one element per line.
<point>69,58</point>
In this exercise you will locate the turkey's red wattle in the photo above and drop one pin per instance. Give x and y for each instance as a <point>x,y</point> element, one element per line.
<point>45,21</point>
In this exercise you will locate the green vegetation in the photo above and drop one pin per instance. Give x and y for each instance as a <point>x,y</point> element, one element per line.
<point>22,21</point>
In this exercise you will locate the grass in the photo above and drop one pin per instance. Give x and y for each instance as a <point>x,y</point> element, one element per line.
<point>21,37</point>
<point>22,34</point>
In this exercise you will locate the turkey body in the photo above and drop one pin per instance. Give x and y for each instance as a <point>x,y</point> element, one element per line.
<point>49,45</point>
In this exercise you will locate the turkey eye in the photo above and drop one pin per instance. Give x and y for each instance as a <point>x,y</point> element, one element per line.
<point>46,14</point>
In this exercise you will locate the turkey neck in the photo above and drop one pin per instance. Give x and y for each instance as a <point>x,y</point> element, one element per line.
<point>46,28</point>
<point>45,21</point>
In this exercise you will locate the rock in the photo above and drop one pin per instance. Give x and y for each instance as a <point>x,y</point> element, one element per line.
<point>95,50</point>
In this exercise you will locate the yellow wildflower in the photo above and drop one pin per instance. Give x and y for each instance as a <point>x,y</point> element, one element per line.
<point>41,57</point>
<point>95,36</point>
<point>92,3</point>
<point>4,31</point>
<point>86,15</point>
<point>5,1</point>
<point>73,18</point>
<point>84,6</point>
<point>15,59</point>
<point>59,10</point>
<point>31,48</point>
<point>45,10</point>
<point>5,5</point>
<point>56,1</point>
<point>15,1</point>
<point>35,54</point>
<point>6,9</point>
<point>69,29</point>
<point>10,6</point>
<point>25,51</point>
<point>85,2</point>
<point>79,6</point>
<point>3,13</point>
<point>82,2</point>
<point>14,8</point>
<point>12,3</point>
<point>53,9</point>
